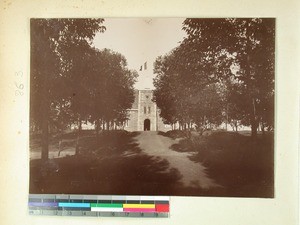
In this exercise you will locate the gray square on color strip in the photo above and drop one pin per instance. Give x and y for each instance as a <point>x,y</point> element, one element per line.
<point>104,197</point>
<point>106,214</point>
<point>35,212</point>
<point>90,213</point>
<point>133,198</point>
<point>62,197</point>
<point>118,197</point>
<point>134,214</point>
<point>90,197</point>
<point>77,197</point>
<point>49,212</point>
<point>41,196</point>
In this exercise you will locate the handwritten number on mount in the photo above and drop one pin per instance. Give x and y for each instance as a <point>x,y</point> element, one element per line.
<point>19,86</point>
<point>20,73</point>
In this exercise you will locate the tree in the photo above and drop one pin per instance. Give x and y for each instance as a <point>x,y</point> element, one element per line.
<point>112,90</point>
<point>51,41</point>
<point>243,48</point>
<point>235,53</point>
<point>185,94</point>
<point>169,93</point>
<point>207,108</point>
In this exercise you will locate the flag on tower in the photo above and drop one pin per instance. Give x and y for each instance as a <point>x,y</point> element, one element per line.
<point>145,66</point>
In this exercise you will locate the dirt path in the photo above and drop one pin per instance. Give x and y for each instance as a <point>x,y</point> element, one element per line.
<point>193,174</point>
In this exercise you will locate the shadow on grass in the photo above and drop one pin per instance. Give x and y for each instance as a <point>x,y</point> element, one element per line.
<point>173,134</point>
<point>242,165</point>
<point>111,164</point>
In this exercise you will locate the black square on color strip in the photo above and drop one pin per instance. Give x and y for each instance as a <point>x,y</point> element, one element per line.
<point>147,202</point>
<point>48,200</point>
<point>161,202</point>
<point>61,200</point>
<point>89,201</point>
<point>104,201</point>
<point>76,200</point>
<point>119,201</point>
<point>133,202</point>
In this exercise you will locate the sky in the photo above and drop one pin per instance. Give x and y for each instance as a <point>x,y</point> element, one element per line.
<point>141,40</point>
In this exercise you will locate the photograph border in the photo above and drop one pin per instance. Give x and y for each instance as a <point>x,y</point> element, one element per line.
<point>14,36</point>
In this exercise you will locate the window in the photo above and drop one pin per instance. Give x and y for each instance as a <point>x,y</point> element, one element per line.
<point>145,110</point>
<point>149,108</point>
<point>127,123</point>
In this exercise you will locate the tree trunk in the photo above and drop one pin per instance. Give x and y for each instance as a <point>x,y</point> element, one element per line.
<point>78,136</point>
<point>253,119</point>
<point>263,128</point>
<point>254,130</point>
<point>97,131</point>
<point>226,124</point>
<point>232,126</point>
<point>254,124</point>
<point>45,137</point>
<point>45,108</point>
<point>97,127</point>
<point>254,127</point>
<point>107,125</point>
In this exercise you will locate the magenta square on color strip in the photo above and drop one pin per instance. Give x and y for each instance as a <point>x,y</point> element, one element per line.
<point>138,210</point>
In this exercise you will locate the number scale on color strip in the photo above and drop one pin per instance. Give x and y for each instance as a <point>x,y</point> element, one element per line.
<point>99,205</point>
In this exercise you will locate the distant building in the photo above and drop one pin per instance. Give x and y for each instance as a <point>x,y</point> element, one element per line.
<point>144,114</point>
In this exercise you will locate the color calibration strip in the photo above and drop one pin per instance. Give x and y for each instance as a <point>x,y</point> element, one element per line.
<point>99,205</point>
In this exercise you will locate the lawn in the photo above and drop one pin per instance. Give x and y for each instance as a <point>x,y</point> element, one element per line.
<point>242,165</point>
<point>115,164</point>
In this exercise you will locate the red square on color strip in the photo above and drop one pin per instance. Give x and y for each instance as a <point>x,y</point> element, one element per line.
<point>162,208</point>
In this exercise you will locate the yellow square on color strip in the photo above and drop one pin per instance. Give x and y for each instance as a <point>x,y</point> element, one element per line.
<point>142,206</point>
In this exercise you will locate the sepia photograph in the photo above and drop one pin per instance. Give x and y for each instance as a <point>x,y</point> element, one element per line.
<point>152,106</point>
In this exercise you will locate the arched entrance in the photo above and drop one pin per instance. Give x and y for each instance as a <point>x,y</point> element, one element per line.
<point>146,124</point>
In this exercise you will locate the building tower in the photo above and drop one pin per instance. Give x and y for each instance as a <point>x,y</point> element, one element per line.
<point>144,114</point>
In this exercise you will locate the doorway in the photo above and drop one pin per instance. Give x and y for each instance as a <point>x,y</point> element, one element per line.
<point>146,124</point>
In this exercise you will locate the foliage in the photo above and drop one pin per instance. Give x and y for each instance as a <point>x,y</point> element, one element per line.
<point>71,81</point>
<point>51,61</point>
<point>111,85</point>
<point>235,57</point>
<point>184,94</point>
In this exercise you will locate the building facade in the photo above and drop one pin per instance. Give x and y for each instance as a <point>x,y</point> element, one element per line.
<point>144,114</point>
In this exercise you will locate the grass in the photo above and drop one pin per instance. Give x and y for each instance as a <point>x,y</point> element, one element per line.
<point>173,134</point>
<point>242,165</point>
<point>112,164</point>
